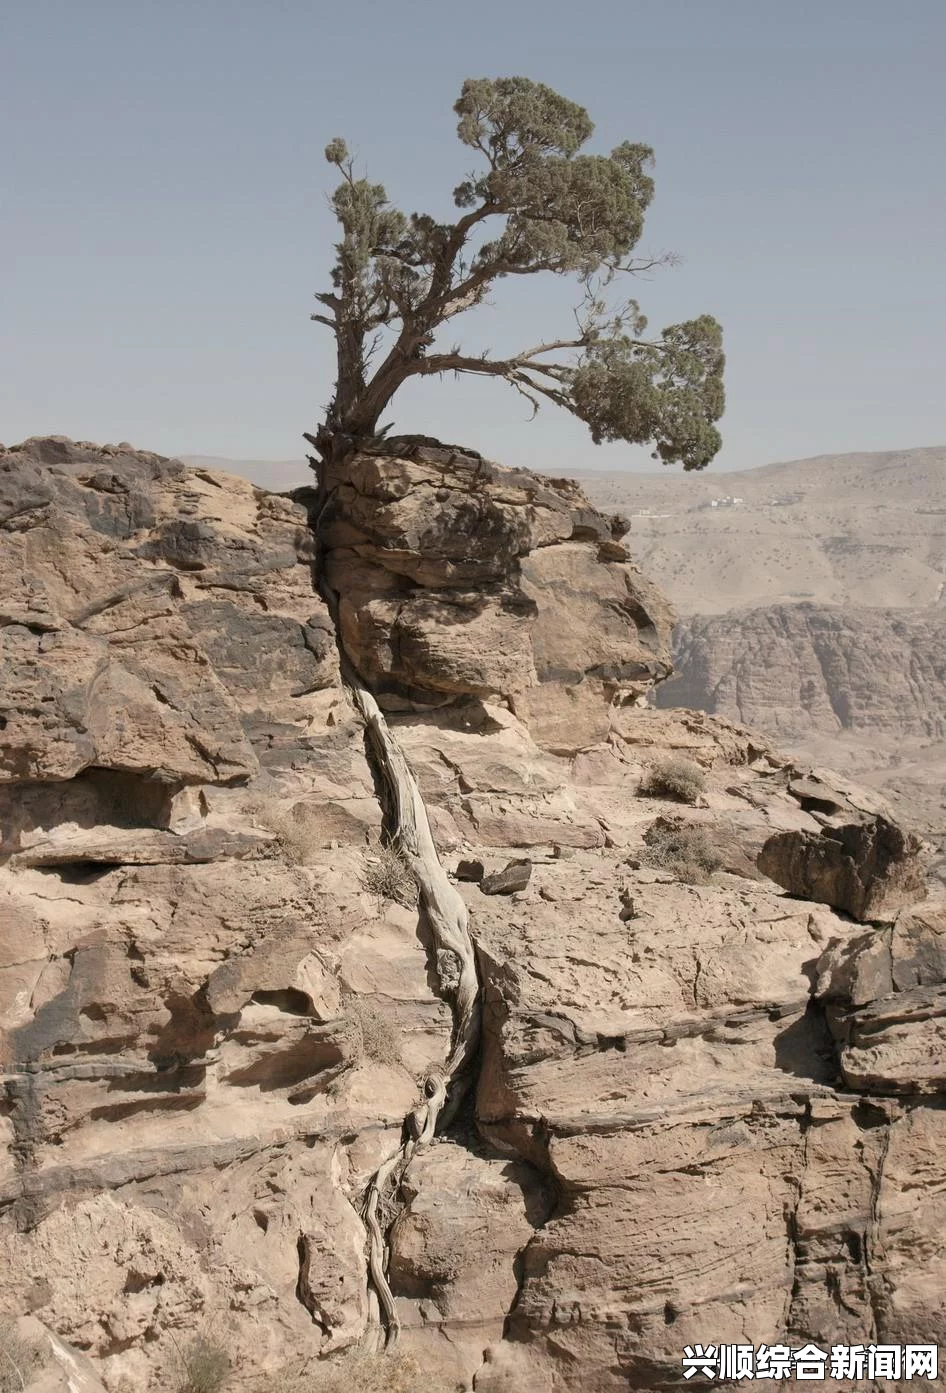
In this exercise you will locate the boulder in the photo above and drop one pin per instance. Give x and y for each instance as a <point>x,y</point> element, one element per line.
<point>461,579</point>
<point>510,880</point>
<point>470,870</point>
<point>884,994</point>
<point>868,866</point>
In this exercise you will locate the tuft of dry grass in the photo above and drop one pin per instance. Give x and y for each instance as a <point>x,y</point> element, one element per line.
<point>297,828</point>
<point>19,1360</point>
<point>685,849</point>
<point>205,1365</point>
<point>387,875</point>
<point>673,777</point>
<point>377,1037</point>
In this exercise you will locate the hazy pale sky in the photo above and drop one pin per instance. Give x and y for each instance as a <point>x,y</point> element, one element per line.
<point>164,222</point>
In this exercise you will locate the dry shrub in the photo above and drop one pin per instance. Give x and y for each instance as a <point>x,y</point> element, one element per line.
<point>19,1360</point>
<point>297,828</point>
<point>377,1037</point>
<point>355,1373</point>
<point>674,777</point>
<point>685,849</point>
<point>388,875</point>
<point>204,1365</point>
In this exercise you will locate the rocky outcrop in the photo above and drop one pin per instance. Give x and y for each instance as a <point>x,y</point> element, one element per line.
<point>458,578</point>
<point>153,619</point>
<point>798,670</point>
<point>886,1005</point>
<point>172,987</point>
<point>861,862</point>
<point>705,1110</point>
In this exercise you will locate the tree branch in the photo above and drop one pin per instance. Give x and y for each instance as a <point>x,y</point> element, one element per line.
<point>511,369</point>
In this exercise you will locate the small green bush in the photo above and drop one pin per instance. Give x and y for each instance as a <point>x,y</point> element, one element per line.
<point>388,875</point>
<point>686,850</point>
<point>204,1365</point>
<point>674,777</point>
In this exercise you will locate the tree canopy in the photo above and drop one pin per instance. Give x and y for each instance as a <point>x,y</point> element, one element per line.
<point>536,203</point>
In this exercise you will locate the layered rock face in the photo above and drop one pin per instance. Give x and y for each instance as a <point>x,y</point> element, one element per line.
<point>459,578</point>
<point>798,670</point>
<point>707,1110</point>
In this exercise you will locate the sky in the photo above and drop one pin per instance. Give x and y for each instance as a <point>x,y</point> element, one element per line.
<point>164,219</point>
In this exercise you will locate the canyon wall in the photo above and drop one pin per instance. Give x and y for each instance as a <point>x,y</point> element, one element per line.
<point>801,670</point>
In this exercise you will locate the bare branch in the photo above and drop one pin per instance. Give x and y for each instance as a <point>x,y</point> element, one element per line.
<point>639,268</point>
<point>523,391</point>
<point>552,347</point>
<point>515,373</point>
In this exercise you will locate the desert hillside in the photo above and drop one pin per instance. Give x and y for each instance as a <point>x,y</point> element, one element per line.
<point>859,529</point>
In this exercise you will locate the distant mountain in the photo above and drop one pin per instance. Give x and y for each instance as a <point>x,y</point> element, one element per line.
<point>804,670</point>
<point>865,529</point>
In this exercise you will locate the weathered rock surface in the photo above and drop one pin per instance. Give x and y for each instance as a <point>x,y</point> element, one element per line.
<point>513,877</point>
<point>861,862</point>
<point>717,1117</point>
<point>152,618</point>
<point>886,1004</point>
<point>460,578</point>
<point>797,670</point>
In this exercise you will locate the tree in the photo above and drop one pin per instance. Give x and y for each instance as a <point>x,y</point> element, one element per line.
<point>535,204</point>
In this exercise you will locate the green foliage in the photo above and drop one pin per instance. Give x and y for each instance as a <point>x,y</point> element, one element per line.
<point>537,203</point>
<point>564,211</point>
<point>672,394</point>
<point>673,777</point>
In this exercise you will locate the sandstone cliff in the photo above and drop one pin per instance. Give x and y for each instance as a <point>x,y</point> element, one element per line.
<point>797,670</point>
<point>706,1110</point>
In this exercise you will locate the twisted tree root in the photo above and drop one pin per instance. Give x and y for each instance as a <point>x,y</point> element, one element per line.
<point>447,915</point>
